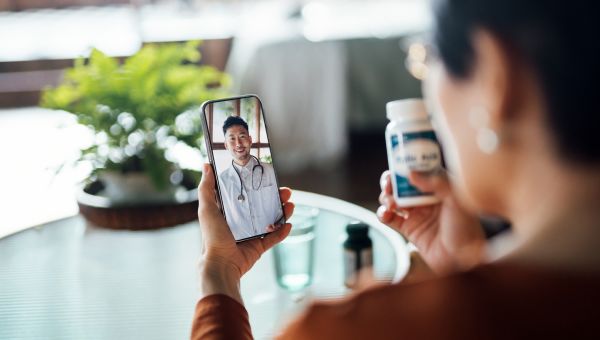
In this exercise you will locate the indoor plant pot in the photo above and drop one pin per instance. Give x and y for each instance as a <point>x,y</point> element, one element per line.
<point>102,210</point>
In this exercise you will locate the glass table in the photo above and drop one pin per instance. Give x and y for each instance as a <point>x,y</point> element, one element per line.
<point>69,280</point>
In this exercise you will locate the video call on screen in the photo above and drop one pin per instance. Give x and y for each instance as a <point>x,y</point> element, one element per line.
<point>244,167</point>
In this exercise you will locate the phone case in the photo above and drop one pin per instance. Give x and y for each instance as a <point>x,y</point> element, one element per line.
<point>211,158</point>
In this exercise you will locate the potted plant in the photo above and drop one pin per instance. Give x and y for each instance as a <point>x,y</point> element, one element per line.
<point>139,111</point>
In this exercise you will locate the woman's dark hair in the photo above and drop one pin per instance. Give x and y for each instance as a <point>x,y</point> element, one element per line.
<point>558,39</point>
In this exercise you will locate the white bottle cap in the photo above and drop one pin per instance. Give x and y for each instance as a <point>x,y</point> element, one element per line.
<point>406,110</point>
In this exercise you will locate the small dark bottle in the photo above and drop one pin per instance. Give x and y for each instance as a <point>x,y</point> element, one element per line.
<point>358,252</point>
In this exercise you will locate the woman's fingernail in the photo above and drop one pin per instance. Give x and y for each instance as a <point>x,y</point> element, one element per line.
<point>386,202</point>
<point>381,211</point>
<point>403,213</point>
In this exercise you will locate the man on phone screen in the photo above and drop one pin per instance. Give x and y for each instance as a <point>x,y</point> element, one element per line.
<point>248,186</point>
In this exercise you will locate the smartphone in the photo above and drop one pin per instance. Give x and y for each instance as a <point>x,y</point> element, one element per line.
<point>237,143</point>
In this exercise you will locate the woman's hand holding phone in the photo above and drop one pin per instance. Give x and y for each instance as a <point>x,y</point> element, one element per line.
<point>448,237</point>
<point>223,260</point>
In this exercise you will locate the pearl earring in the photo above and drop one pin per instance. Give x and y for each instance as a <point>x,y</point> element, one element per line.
<point>487,138</point>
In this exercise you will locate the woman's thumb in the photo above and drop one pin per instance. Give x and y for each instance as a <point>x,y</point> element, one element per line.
<point>207,182</point>
<point>436,183</point>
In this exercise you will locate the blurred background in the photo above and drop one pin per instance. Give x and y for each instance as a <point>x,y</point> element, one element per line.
<point>323,69</point>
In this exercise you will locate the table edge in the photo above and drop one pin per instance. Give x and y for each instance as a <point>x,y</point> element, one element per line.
<point>338,206</point>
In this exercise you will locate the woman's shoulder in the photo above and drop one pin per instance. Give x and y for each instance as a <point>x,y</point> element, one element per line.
<point>499,299</point>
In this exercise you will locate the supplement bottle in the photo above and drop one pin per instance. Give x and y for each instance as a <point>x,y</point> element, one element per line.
<point>358,252</point>
<point>411,146</point>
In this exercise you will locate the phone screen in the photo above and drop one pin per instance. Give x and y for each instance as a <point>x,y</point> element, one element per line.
<point>238,146</point>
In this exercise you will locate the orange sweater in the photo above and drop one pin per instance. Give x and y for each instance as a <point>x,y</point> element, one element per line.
<point>498,301</point>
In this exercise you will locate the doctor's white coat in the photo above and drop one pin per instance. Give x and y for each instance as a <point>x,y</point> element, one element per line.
<point>259,209</point>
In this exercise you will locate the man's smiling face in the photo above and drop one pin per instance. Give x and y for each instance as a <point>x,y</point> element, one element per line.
<point>238,141</point>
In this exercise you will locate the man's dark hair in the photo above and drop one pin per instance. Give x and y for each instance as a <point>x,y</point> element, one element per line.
<point>556,39</point>
<point>234,120</point>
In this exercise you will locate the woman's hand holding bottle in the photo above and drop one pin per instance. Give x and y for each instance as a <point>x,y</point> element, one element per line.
<point>448,237</point>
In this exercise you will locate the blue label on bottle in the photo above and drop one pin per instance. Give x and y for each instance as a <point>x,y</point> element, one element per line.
<point>394,141</point>
<point>419,151</point>
<point>405,189</point>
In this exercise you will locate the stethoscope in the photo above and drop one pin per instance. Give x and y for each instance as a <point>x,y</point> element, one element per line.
<point>241,196</point>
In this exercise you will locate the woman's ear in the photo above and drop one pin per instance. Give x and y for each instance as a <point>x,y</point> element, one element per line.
<point>496,74</point>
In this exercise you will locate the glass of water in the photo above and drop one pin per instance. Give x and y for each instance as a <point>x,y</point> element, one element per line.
<point>294,256</point>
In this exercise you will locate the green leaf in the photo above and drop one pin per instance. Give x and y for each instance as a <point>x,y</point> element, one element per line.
<point>154,85</point>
